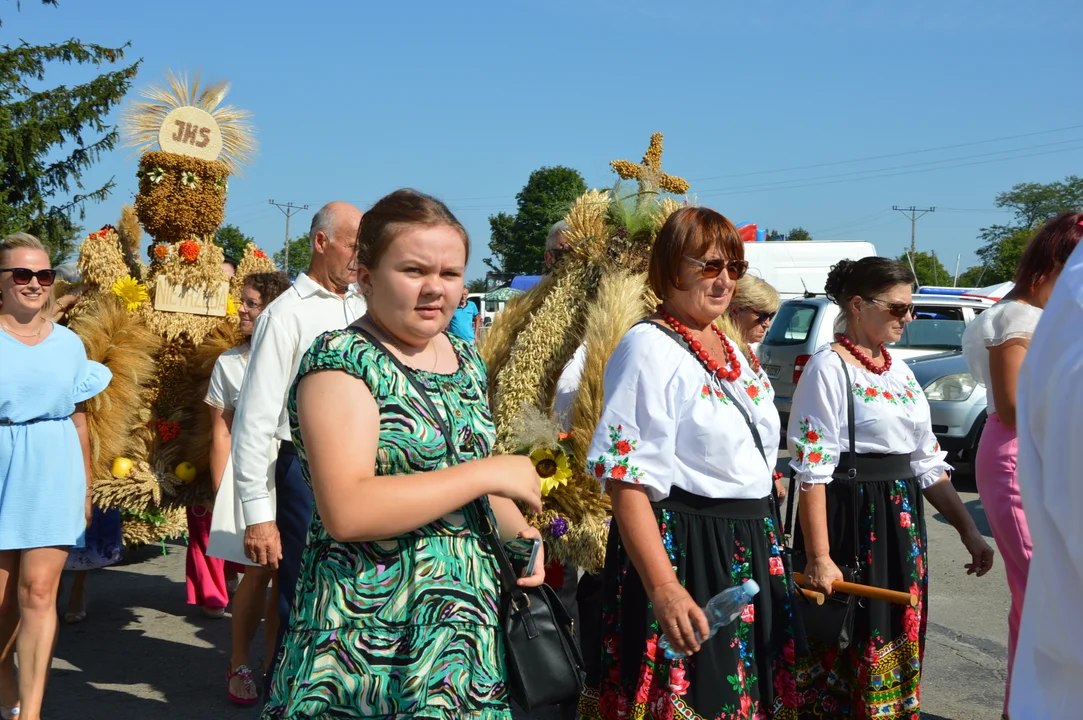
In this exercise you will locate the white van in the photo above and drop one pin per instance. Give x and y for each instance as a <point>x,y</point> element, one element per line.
<point>794,268</point>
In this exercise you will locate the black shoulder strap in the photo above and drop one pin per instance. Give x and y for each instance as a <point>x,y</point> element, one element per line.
<point>481,515</point>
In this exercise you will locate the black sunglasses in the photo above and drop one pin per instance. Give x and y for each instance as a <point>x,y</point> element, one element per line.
<point>736,269</point>
<point>763,317</point>
<point>898,310</point>
<point>23,276</point>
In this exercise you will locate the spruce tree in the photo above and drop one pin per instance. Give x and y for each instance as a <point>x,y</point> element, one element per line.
<point>50,137</point>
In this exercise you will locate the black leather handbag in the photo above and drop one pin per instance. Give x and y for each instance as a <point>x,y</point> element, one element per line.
<point>832,623</point>
<point>544,664</point>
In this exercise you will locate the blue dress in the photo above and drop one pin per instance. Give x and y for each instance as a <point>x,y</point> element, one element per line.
<point>42,476</point>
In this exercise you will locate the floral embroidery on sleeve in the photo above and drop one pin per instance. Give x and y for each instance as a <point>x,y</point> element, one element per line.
<point>809,448</point>
<point>752,388</point>
<point>616,466</point>
<point>706,391</point>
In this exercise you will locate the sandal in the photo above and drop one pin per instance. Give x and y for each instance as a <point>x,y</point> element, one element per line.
<point>245,674</point>
<point>9,713</point>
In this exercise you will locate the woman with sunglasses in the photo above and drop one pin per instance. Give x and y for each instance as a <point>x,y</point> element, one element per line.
<point>678,450</point>
<point>882,482</point>
<point>216,542</point>
<point>995,345</point>
<point>45,506</point>
<point>749,318</point>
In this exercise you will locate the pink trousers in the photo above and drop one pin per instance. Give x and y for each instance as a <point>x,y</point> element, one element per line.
<point>998,487</point>
<point>205,576</point>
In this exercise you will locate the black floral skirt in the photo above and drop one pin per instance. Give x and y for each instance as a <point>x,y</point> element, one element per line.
<point>879,674</point>
<point>738,673</point>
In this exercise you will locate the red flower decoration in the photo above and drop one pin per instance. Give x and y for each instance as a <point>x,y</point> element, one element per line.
<point>776,566</point>
<point>168,430</point>
<point>599,470</point>
<point>872,392</point>
<point>189,250</point>
<point>814,457</point>
<point>260,254</point>
<point>618,472</point>
<point>812,436</point>
<point>161,251</point>
<point>678,685</point>
<point>888,396</point>
<point>904,520</point>
<point>753,391</point>
<point>749,613</point>
<point>624,447</point>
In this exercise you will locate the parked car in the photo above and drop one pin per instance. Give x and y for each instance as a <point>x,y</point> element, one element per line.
<point>957,402</point>
<point>804,325</point>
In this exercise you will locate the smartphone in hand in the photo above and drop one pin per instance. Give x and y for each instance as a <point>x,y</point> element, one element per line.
<point>523,553</point>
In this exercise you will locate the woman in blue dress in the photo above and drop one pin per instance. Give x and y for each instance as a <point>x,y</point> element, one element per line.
<point>44,464</point>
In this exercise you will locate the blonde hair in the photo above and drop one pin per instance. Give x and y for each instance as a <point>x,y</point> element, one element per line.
<point>25,241</point>
<point>753,293</point>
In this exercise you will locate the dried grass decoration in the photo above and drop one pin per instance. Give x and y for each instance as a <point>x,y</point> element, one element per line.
<point>594,295</point>
<point>173,210</point>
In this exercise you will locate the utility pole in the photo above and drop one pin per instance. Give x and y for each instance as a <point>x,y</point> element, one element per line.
<point>288,209</point>
<point>913,222</point>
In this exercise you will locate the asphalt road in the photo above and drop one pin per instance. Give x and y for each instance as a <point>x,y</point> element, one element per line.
<point>143,653</point>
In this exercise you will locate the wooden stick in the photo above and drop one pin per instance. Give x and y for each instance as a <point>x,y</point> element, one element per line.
<point>816,597</point>
<point>868,591</point>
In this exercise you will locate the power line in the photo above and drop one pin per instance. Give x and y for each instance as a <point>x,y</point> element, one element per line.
<point>890,155</point>
<point>913,223</point>
<point>288,209</point>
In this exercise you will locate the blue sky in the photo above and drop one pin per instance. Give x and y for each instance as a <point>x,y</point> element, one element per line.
<point>463,100</point>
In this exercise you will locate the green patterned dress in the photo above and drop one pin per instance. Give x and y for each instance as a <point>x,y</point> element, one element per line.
<point>404,627</point>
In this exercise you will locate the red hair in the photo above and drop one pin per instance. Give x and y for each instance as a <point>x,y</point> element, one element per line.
<point>1049,249</point>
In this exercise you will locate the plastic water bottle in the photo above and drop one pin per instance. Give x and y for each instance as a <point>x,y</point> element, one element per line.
<point>721,610</point>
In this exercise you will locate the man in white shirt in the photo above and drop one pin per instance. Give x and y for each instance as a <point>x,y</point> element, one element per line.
<point>323,299</point>
<point>1049,657</point>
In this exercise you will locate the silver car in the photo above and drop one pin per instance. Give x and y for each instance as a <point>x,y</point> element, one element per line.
<point>957,402</point>
<point>804,325</point>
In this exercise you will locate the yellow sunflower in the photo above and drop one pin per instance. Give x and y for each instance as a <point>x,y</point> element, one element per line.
<point>231,306</point>
<point>131,291</point>
<point>553,468</point>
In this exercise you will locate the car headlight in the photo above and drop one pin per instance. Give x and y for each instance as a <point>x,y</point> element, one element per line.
<point>951,388</point>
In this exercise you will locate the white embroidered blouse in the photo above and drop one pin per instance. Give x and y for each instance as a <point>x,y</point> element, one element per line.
<point>666,423</point>
<point>891,416</point>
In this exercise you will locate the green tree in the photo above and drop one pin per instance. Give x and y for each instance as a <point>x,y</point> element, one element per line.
<point>50,136</point>
<point>799,234</point>
<point>233,242</point>
<point>300,256</point>
<point>477,285</point>
<point>517,242</point>
<point>973,277</point>
<point>927,267</point>
<point>1033,204</point>
<point>773,235</point>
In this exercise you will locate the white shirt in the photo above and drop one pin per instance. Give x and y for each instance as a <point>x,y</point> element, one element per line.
<point>283,334</point>
<point>568,387</point>
<point>225,386</point>
<point>891,416</point>
<point>1007,320</point>
<point>666,423</point>
<point>1049,657</point>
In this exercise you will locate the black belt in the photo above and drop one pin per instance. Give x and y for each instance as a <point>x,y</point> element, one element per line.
<point>287,448</point>
<point>728,508</point>
<point>25,422</point>
<point>875,467</point>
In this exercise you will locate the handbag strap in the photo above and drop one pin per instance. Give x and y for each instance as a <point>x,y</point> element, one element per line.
<point>851,474</point>
<point>481,514</point>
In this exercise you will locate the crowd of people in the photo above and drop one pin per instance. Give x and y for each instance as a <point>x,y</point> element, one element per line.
<point>351,435</point>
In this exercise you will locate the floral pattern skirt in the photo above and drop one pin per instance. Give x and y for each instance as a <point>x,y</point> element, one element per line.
<point>714,545</point>
<point>879,674</point>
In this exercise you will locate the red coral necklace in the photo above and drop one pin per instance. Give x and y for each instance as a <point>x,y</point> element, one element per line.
<point>865,359</point>
<point>712,365</point>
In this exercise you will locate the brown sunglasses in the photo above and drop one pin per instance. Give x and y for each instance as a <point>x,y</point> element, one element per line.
<point>899,310</point>
<point>23,276</point>
<point>736,269</point>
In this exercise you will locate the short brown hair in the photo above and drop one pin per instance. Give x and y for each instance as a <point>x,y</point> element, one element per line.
<point>391,214</point>
<point>1049,249</point>
<point>269,285</point>
<point>690,231</point>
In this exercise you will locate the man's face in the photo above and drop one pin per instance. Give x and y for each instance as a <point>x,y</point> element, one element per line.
<point>559,248</point>
<point>341,249</point>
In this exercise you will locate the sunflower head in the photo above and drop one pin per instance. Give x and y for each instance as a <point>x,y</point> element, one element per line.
<point>553,467</point>
<point>131,291</point>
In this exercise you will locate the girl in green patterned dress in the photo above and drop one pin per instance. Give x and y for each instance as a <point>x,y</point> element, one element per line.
<point>396,608</point>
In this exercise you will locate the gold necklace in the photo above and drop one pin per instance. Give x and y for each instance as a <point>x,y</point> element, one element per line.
<point>41,326</point>
<point>391,339</point>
